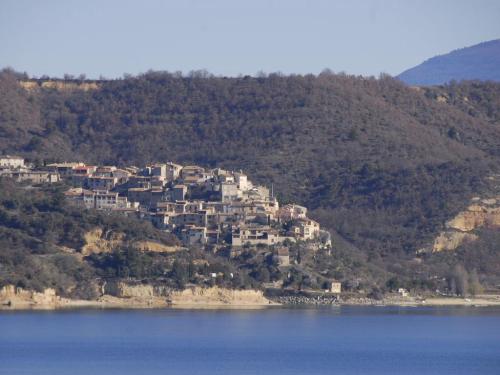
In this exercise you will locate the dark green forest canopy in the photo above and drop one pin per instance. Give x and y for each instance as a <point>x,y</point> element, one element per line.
<point>381,163</point>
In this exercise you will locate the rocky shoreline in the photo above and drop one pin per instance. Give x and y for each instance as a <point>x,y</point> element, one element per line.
<point>135,297</point>
<point>304,300</point>
<point>146,297</point>
<point>325,300</point>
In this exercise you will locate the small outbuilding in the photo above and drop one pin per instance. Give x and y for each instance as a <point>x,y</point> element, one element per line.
<point>336,287</point>
<point>282,256</point>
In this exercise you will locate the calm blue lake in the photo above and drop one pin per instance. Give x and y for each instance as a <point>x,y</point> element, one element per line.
<point>333,340</point>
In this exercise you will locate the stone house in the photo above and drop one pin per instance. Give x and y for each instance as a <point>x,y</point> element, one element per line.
<point>173,171</point>
<point>262,191</point>
<point>143,182</point>
<point>193,206</point>
<point>291,212</point>
<point>101,182</point>
<point>192,174</point>
<point>194,236</point>
<point>100,200</point>
<point>305,229</point>
<point>229,191</point>
<point>81,174</point>
<point>36,177</point>
<point>178,207</point>
<point>157,182</point>
<point>198,219</point>
<point>160,171</point>
<point>242,181</point>
<point>121,174</point>
<point>81,197</point>
<point>105,200</point>
<point>161,220</point>
<point>243,208</point>
<point>146,197</point>
<point>282,256</point>
<point>220,207</point>
<point>105,171</point>
<point>64,169</point>
<point>88,198</point>
<point>403,292</point>
<point>141,195</point>
<point>253,235</point>
<point>222,175</point>
<point>132,170</point>
<point>179,192</point>
<point>11,162</point>
<point>226,177</point>
<point>335,287</point>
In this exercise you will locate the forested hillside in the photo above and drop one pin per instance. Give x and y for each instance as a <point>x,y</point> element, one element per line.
<point>381,164</point>
<point>41,237</point>
<point>477,99</point>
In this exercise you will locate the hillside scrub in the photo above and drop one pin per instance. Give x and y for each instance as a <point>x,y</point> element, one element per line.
<point>379,163</point>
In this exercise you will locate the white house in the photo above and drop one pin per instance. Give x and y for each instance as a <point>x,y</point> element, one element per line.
<point>11,162</point>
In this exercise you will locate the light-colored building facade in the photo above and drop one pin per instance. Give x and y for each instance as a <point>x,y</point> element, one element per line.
<point>305,229</point>
<point>36,177</point>
<point>254,235</point>
<point>11,162</point>
<point>336,287</point>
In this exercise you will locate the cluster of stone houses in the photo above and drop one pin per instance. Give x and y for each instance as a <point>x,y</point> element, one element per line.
<point>16,168</point>
<point>201,206</point>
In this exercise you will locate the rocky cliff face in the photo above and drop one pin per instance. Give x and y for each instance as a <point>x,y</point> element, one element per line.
<point>21,298</point>
<point>451,240</point>
<point>194,296</point>
<point>128,295</point>
<point>481,213</point>
<point>31,85</point>
<point>97,241</point>
<point>197,296</point>
<point>132,290</point>
<point>485,213</point>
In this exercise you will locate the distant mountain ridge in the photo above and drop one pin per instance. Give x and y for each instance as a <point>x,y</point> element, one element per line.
<point>478,62</point>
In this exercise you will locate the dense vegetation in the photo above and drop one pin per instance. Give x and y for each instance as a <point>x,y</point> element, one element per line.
<point>478,99</point>
<point>40,234</point>
<point>42,237</point>
<point>380,164</point>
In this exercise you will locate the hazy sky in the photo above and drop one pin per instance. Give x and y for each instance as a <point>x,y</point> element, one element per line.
<point>231,37</point>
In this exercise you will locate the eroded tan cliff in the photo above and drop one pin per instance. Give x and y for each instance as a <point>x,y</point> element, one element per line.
<point>477,215</point>
<point>451,240</point>
<point>197,296</point>
<point>98,241</point>
<point>62,85</point>
<point>482,213</point>
<point>124,295</point>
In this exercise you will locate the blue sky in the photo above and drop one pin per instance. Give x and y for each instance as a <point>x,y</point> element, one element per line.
<point>231,37</point>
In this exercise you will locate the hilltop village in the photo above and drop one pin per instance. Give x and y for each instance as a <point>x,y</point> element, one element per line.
<point>202,207</point>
